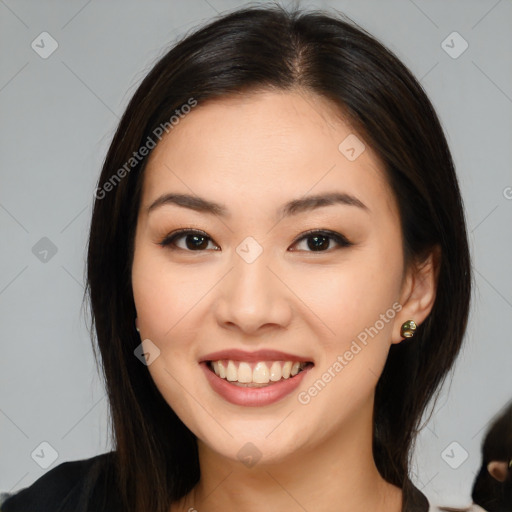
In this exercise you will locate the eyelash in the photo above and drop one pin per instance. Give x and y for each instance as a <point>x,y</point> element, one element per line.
<point>338,238</point>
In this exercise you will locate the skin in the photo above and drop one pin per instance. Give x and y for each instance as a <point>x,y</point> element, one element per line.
<point>253,153</point>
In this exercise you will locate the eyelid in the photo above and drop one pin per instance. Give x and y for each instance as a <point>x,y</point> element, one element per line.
<point>171,237</point>
<point>338,238</point>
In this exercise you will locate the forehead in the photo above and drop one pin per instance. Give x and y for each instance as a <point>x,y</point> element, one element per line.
<point>264,147</point>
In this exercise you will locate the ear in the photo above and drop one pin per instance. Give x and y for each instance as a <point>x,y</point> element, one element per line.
<point>498,470</point>
<point>418,291</point>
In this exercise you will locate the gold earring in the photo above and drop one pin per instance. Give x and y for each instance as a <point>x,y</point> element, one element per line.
<point>408,329</point>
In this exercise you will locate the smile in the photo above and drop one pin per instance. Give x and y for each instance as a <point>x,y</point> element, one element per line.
<point>244,388</point>
<point>256,374</point>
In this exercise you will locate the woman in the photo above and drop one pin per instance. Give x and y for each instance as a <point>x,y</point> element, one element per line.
<point>279,277</point>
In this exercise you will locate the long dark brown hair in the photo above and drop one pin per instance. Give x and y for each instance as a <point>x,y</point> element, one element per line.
<point>264,48</point>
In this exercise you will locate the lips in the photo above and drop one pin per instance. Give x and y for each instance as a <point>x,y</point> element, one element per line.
<point>248,378</point>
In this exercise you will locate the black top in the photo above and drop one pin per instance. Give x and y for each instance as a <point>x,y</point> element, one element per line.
<point>87,486</point>
<point>78,486</point>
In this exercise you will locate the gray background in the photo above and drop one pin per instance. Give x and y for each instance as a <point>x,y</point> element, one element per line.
<point>57,118</point>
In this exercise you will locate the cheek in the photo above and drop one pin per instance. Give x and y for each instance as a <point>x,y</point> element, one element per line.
<point>165,301</point>
<point>164,295</point>
<point>358,305</point>
<point>351,297</point>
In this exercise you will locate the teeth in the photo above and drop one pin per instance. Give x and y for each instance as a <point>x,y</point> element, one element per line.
<point>244,373</point>
<point>261,372</point>
<point>286,369</point>
<point>275,372</point>
<point>231,372</point>
<point>222,370</point>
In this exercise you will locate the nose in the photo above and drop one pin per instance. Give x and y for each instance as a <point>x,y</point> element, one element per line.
<point>252,298</point>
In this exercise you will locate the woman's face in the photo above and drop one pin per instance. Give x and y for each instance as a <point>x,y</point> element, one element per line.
<point>254,285</point>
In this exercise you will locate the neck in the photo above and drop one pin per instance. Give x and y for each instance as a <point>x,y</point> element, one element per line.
<point>337,474</point>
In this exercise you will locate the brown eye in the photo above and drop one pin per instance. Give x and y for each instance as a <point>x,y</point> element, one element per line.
<point>194,240</point>
<point>320,241</point>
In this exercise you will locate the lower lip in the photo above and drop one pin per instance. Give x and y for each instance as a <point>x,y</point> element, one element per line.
<point>253,397</point>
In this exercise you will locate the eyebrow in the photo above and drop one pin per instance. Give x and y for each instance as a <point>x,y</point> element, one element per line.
<point>293,207</point>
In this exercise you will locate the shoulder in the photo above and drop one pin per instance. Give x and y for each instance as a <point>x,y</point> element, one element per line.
<point>70,486</point>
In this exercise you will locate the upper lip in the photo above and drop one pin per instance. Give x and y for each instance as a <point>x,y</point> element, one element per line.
<point>258,355</point>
